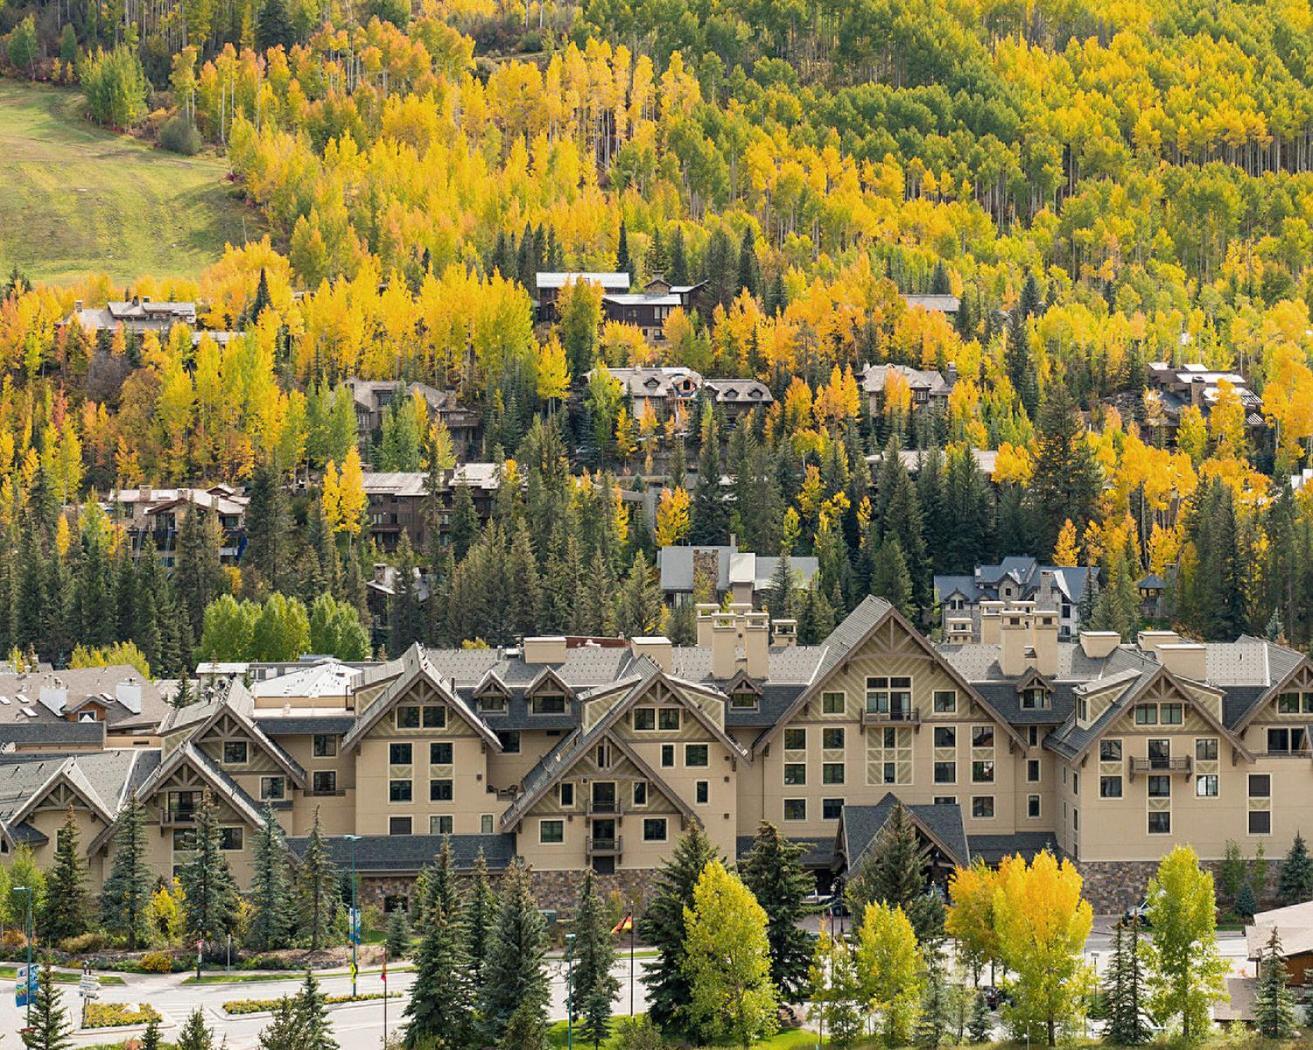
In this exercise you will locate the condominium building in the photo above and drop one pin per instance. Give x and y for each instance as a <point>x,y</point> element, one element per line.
<point>599,753</point>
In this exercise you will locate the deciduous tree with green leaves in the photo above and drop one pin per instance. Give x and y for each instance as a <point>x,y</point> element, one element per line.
<point>889,967</point>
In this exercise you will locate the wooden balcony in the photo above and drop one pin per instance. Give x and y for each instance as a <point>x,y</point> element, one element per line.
<point>606,809</point>
<point>604,847</point>
<point>177,818</point>
<point>895,716</point>
<point>1161,766</point>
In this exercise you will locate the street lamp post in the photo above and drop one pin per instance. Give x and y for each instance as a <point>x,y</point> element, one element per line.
<point>28,933</point>
<point>355,915</point>
<point>569,991</point>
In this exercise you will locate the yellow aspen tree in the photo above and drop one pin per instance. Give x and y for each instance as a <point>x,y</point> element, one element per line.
<point>352,500</point>
<point>889,969</point>
<point>1066,551</point>
<point>672,517</point>
<point>331,498</point>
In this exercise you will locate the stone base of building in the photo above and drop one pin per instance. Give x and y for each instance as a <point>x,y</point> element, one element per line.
<point>556,891</point>
<point>1112,886</point>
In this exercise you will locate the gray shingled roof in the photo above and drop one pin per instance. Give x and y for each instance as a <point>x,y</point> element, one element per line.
<point>54,733</point>
<point>409,854</point>
<point>862,824</point>
<point>820,849</point>
<point>306,725</point>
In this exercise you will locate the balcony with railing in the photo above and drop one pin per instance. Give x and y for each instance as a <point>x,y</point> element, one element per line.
<point>605,808</point>
<point>1159,766</point>
<point>177,817</point>
<point>604,846</point>
<point>893,715</point>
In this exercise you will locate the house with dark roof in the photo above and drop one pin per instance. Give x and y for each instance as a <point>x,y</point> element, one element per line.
<point>965,601</point>
<point>930,389</point>
<point>742,575</point>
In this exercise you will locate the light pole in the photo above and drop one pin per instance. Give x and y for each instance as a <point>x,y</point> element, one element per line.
<point>28,933</point>
<point>569,991</point>
<point>355,915</point>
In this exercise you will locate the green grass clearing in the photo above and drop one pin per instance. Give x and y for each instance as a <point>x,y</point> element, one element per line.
<point>290,975</point>
<point>79,199</point>
<point>10,973</point>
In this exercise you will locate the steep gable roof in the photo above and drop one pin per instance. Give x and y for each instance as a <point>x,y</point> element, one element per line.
<point>941,824</point>
<point>221,784</point>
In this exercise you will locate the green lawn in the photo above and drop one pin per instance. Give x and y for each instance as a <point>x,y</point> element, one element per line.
<point>10,973</point>
<point>78,199</point>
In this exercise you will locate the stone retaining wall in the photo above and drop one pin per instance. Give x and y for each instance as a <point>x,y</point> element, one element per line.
<point>1113,886</point>
<point>556,890</point>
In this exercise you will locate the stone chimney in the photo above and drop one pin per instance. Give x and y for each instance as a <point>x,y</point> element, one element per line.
<point>756,644</point>
<point>959,630</point>
<point>706,617</point>
<point>724,646</point>
<point>1149,641</point>
<point>990,621</point>
<point>784,633</point>
<point>656,648</point>
<point>1185,659</point>
<point>1098,644</point>
<point>1015,631</point>
<point>1045,632</point>
<point>544,649</point>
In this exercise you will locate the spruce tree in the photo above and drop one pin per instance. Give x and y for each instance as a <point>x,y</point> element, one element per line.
<point>1245,903</point>
<point>1274,1007</point>
<point>195,1035</point>
<point>198,577</point>
<point>316,884</point>
<point>268,523</point>
<point>773,871</point>
<point>439,1005</point>
<point>890,579</point>
<point>749,270</point>
<point>779,599</point>
<point>1123,987</point>
<point>210,905</point>
<point>933,1023</point>
<point>480,913</point>
<point>662,926</point>
<point>285,1030</point>
<point>592,985</point>
<point>312,1010</point>
<point>515,975</point>
<point>397,942</point>
<point>1295,884</point>
<point>49,1021</point>
<point>893,872</point>
<point>464,522</point>
<point>64,912</point>
<point>710,517</point>
<point>151,1039</point>
<point>677,271</point>
<point>1066,480</point>
<point>622,261</point>
<point>127,888</point>
<point>526,1030</point>
<point>270,892</point>
<point>981,1024</point>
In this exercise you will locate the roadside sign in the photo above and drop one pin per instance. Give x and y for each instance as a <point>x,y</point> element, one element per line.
<point>25,985</point>
<point>89,986</point>
<point>353,918</point>
<point>355,970</point>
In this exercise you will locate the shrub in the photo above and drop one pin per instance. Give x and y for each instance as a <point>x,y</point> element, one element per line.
<point>178,135</point>
<point>237,1007</point>
<point>157,962</point>
<point>118,1015</point>
<point>637,1033</point>
<point>82,943</point>
<point>12,942</point>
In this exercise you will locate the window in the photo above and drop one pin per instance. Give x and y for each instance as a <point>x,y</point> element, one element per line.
<point>982,807</point>
<point>945,701</point>
<point>654,829</point>
<point>832,773</point>
<point>273,789</point>
<point>743,701</point>
<point>982,736</point>
<point>1286,741</point>
<point>492,705</point>
<point>400,754</point>
<point>510,741</point>
<point>795,739</point>
<point>982,772</point>
<point>1288,704</point>
<point>435,717</point>
<point>945,736</point>
<point>640,792</point>
<point>324,745</point>
<point>440,754</point>
<point>1075,820</point>
<point>795,809</point>
<point>1146,714</point>
<point>1033,698</point>
<point>1172,714</point>
<point>1160,786</point>
<point>945,800</point>
<point>1205,785</point>
<point>1032,807</point>
<point>1260,785</point>
<point>399,791</point>
<point>1160,753</point>
<point>565,793</point>
<point>1075,782</point>
<point>889,773</point>
<point>832,739</point>
<point>1260,822</point>
<point>701,792</point>
<point>889,696</point>
<point>551,832</point>
<point>399,825</point>
<point>695,755</point>
<point>795,774</point>
<point>602,756</point>
<point>1160,822</point>
<point>1032,735</point>
<point>440,824</point>
<point>440,791</point>
<point>667,755</point>
<point>548,705</point>
<point>234,752</point>
<point>1110,750</point>
<point>669,719</point>
<point>831,808</point>
<point>407,717</point>
<point>323,782</point>
<point>485,824</point>
<point>833,703</point>
<point>644,719</point>
<point>1205,749</point>
<point>1110,787</point>
<point>1032,770</point>
<point>945,772</point>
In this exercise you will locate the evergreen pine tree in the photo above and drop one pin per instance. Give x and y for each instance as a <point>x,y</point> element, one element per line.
<point>933,1023</point>
<point>662,926</point>
<point>210,905</point>
<point>198,577</point>
<point>710,518</point>
<point>285,1030</point>
<point>151,1039</point>
<point>1245,903</point>
<point>1295,884</point>
<point>397,942</point>
<point>194,1035</point>
<point>406,612</point>
<point>622,261</point>
<point>1123,987</point>
<point>312,1011</point>
<point>773,871</point>
<point>677,271</point>
<point>749,271</point>
<point>1274,1006</point>
<point>464,522</point>
<point>270,892</point>
<point>525,1030</point>
<point>273,28</point>
<point>1020,365</point>
<point>64,912</point>
<point>268,525</point>
<point>779,599</point>
<point>127,888</point>
<point>480,914</point>
<point>980,1025</point>
<point>890,579</point>
<point>515,975</point>
<point>1066,480</point>
<point>592,985</point>
<point>49,1021</point>
<point>316,883</point>
<point>440,1006</point>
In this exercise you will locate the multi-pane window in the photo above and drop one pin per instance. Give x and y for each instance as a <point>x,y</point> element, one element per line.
<point>547,705</point>
<point>1146,714</point>
<point>1171,714</point>
<point>795,809</point>
<point>1205,749</point>
<point>889,696</point>
<point>945,772</point>
<point>510,741</point>
<point>667,755</point>
<point>1287,741</point>
<point>795,739</point>
<point>1110,750</point>
<point>833,703</point>
<point>1110,787</point>
<point>831,808</point>
<point>273,789</point>
<point>400,791</point>
<point>832,773</point>
<point>696,755</point>
<point>982,806</point>
<point>324,745</point>
<point>565,793</point>
<point>945,736</point>
<point>669,719</point>
<point>551,832</point>
<point>701,792</point>
<point>441,824</point>
<point>982,736</point>
<point>230,839</point>
<point>982,772</point>
<point>234,752</point>
<point>644,719</point>
<point>945,701</point>
<point>1032,807</point>
<point>1160,787</point>
<point>399,825</point>
<point>400,754</point>
<point>654,829</point>
<point>440,754</point>
<point>1205,785</point>
<point>440,790</point>
<point>323,781</point>
<point>832,738</point>
<point>1032,770</point>
<point>640,792</point>
<point>1160,822</point>
<point>795,774</point>
<point>1260,822</point>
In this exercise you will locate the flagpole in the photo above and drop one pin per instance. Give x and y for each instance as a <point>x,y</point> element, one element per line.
<point>631,965</point>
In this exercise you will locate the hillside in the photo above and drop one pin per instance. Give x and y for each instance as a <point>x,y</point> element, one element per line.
<point>78,199</point>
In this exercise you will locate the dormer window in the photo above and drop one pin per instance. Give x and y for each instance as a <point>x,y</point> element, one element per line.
<point>1034,698</point>
<point>743,702</point>
<point>492,705</point>
<point>548,705</point>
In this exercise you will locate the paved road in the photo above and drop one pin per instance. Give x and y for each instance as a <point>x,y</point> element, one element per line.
<point>357,1025</point>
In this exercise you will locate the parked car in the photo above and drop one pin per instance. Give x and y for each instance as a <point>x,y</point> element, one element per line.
<point>1139,911</point>
<point>995,997</point>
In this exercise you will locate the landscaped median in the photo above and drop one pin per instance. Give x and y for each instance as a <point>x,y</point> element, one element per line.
<point>241,1007</point>
<point>118,1015</point>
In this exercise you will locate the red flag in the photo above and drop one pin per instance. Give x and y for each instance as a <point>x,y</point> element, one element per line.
<point>624,925</point>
